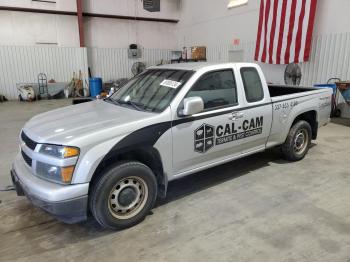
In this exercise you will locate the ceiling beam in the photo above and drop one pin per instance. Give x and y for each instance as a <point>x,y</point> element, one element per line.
<point>87,14</point>
<point>137,18</point>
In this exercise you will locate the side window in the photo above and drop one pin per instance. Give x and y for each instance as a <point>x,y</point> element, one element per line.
<point>217,89</point>
<point>252,84</point>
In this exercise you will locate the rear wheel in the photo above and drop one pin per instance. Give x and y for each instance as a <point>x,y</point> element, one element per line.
<point>123,195</point>
<point>298,141</point>
<point>337,113</point>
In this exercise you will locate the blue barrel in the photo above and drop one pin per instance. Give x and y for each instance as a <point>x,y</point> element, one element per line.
<point>95,86</point>
<point>333,86</point>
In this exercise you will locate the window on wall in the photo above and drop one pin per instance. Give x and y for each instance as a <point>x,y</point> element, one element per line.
<point>236,3</point>
<point>235,56</point>
<point>45,1</point>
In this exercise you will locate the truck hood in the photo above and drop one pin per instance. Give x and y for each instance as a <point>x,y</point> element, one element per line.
<point>66,124</point>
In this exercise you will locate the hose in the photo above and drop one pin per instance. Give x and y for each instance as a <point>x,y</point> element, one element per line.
<point>7,188</point>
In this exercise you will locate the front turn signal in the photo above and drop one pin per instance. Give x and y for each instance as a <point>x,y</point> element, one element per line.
<point>67,174</point>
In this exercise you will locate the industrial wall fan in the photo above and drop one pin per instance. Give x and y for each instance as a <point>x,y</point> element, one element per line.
<point>292,75</point>
<point>138,68</point>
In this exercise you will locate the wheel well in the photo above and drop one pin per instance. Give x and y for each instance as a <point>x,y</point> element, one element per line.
<point>149,156</point>
<point>311,118</point>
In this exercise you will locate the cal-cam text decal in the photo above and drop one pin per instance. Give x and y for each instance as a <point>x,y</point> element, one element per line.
<point>206,136</point>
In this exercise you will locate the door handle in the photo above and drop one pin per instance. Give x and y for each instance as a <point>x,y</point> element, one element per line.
<point>235,115</point>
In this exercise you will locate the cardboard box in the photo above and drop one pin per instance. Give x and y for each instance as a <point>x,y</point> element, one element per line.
<point>199,53</point>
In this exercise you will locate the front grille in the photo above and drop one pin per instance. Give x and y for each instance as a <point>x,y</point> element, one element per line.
<point>26,158</point>
<point>29,143</point>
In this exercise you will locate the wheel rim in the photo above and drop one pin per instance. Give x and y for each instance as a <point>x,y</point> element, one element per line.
<point>128,197</point>
<point>301,141</point>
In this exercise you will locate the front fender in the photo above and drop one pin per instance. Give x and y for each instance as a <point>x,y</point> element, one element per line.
<point>90,160</point>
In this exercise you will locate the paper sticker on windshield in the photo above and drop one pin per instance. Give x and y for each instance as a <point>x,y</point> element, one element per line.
<point>170,83</point>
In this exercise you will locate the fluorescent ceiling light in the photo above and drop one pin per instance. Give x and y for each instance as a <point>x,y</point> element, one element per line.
<point>236,3</point>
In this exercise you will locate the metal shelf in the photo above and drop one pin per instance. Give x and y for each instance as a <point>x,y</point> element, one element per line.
<point>175,61</point>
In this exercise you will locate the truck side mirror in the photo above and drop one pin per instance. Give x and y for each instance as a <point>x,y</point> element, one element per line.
<point>192,105</point>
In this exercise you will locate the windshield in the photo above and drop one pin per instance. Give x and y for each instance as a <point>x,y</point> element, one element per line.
<point>152,90</point>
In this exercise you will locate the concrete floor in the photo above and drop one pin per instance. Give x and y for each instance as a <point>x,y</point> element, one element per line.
<point>256,209</point>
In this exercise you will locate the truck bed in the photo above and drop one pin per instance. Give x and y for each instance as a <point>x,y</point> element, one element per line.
<point>288,102</point>
<point>279,90</point>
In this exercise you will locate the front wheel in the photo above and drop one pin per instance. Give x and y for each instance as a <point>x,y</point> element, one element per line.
<point>298,141</point>
<point>123,195</point>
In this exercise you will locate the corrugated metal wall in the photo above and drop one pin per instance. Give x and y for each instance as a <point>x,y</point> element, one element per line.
<point>218,53</point>
<point>113,63</point>
<point>330,58</point>
<point>221,53</point>
<point>23,64</point>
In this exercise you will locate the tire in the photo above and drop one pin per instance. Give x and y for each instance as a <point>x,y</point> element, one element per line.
<point>298,141</point>
<point>337,113</point>
<point>123,195</point>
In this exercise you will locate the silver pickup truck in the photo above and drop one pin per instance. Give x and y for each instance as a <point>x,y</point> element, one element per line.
<point>113,157</point>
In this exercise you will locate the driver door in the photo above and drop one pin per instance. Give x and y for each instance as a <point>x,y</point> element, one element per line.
<point>208,137</point>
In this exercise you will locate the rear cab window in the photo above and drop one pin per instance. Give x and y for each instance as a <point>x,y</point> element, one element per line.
<point>217,89</point>
<point>253,88</point>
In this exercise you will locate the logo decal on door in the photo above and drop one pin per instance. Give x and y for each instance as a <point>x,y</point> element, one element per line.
<point>207,136</point>
<point>203,138</point>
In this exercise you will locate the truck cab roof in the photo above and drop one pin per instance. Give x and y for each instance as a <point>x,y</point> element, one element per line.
<point>195,66</point>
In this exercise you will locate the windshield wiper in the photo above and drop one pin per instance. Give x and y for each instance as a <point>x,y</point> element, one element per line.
<point>109,99</point>
<point>138,107</point>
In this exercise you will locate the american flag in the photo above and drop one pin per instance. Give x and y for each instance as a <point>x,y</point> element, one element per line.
<point>285,31</point>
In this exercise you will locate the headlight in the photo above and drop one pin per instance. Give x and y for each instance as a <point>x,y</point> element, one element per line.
<point>55,173</point>
<point>59,151</point>
<point>63,170</point>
